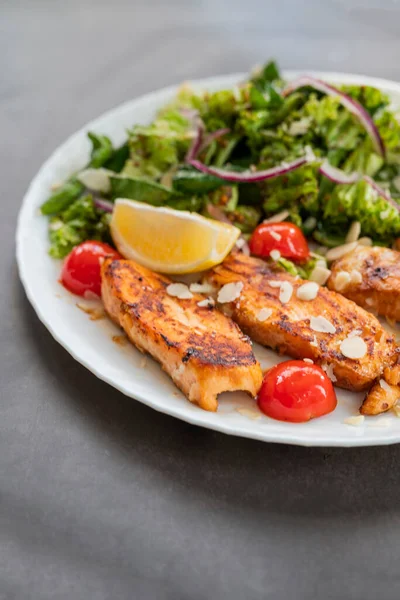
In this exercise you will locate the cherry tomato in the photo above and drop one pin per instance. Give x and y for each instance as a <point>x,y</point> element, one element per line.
<point>296,391</point>
<point>81,268</point>
<point>285,237</point>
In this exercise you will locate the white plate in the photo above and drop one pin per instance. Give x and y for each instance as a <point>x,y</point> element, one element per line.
<point>90,342</point>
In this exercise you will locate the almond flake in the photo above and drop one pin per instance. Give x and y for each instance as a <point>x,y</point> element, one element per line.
<point>285,292</point>
<point>365,241</point>
<point>307,291</point>
<point>354,232</point>
<point>314,342</point>
<point>274,283</point>
<point>264,314</point>
<point>329,371</point>
<point>353,347</point>
<point>342,280</point>
<point>320,275</point>
<point>355,421</point>
<point>354,333</point>
<point>275,254</point>
<point>385,386</point>
<point>276,236</point>
<point>339,251</point>
<point>356,277</point>
<point>240,243</point>
<point>179,290</point>
<point>322,325</point>
<point>278,218</point>
<point>206,302</point>
<point>202,288</point>
<point>308,360</point>
<point>230,292</point>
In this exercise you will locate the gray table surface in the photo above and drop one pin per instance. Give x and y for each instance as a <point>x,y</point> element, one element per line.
<point>100,497</point>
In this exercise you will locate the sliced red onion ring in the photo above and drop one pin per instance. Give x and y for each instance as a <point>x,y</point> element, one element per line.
<point>214,135</point>
<point>337,175</point>
<point>382,192</point>
<point>352,105</point>
<point>103,204</point>
<point>249,176</point>
<point>196,143</point>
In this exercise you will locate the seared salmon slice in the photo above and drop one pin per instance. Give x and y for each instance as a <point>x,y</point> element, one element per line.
<point>371,278</point>
<point>269,310</point>
<point>202,350</point>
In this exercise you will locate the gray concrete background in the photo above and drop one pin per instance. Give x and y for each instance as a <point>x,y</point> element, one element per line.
<point>100,497</point>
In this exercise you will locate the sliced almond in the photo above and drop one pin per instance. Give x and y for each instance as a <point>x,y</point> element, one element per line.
<point>274,283</point>
<point>322,325</point>
<point>179,290</point>
<point>354,232</point>
<point>355,277</point>
<point>342,280</point>
<point>275,255</point>
<point>365,241</point>
<point>307,291</point>
<point>264,314</point>
<point>285,292</point>
<point>339,251</point>
<point>320,275</point>
<point>230,292</point>
<point>308,360</point>
<point>281,216</point>
<point>202,288</point>
<point>353,347</point>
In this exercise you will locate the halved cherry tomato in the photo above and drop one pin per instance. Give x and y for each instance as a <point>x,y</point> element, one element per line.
<point>296,391</point>
<point>285,237</point>
<point>81,268</point>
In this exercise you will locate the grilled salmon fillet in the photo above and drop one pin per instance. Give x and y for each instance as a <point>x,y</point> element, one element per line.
<point>291,328</point>
<point>202,350</point>
<point>371,278</point>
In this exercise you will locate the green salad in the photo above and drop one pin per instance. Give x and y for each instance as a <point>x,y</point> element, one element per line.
<point>326,156</point>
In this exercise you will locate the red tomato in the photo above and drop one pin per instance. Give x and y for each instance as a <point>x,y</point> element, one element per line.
<point>285,237</point>
<point>296,391</point>
<point>81,268</point>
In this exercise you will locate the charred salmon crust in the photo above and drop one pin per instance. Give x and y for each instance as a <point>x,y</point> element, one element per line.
<point>203,351</point>
<point>373,279</point>
<point>292,327</point>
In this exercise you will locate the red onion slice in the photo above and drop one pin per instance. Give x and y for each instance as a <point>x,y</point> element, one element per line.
<point>382,192</point>
<point>214,135</point>
<point>195,145</point>
<point>352,105</point>
<point>103,204</point>
<point>249,176</point>
<point>337,175</point>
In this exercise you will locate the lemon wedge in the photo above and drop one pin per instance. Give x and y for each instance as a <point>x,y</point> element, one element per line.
<point>168,240</point>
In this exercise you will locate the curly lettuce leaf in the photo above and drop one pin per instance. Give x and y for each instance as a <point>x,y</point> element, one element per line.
<point>295,190</point>
<point>157,147</point>
<point>360,202</point>
<point>79,222</point>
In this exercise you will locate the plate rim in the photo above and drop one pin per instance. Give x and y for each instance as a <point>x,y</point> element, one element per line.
<point>196,419</point>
